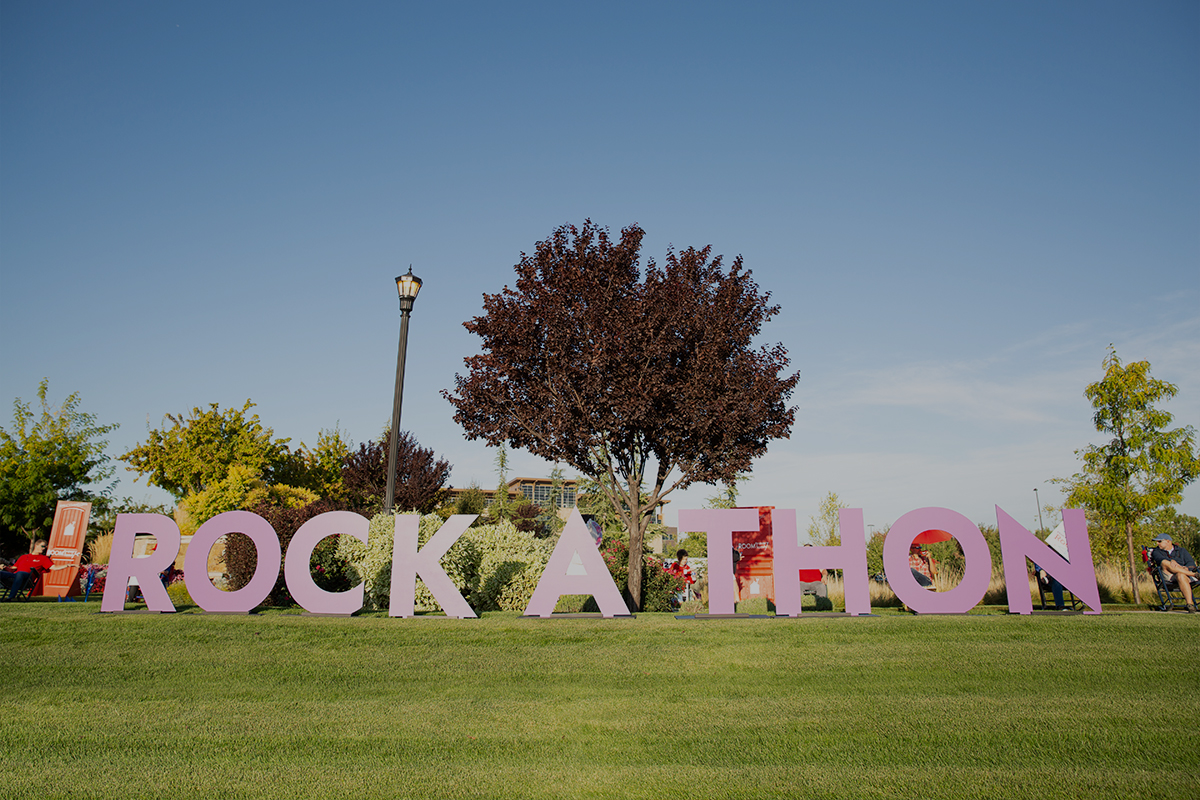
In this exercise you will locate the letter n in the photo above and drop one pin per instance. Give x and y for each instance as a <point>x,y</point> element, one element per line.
<point>576,567</point>
<point>1077,575</point>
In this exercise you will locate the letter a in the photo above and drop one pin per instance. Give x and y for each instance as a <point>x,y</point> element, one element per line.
<point>408,563</point>
<point>576,567</point>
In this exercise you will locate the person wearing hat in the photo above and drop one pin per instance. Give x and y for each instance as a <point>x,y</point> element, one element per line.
<point>1177,566</point>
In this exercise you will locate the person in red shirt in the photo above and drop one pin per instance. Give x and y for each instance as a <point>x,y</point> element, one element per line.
<point>23,569</point>
<point>680,569</point>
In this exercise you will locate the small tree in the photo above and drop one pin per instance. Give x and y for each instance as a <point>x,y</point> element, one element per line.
<point>823,529</point>
<point>419,476</point>
<point>626,376</point>
<point>1144,466</point>
<point>194,452</point>
<point>500,505</point>
<point>55,455</point>
<point>729,495</point>
<point>471,501</point>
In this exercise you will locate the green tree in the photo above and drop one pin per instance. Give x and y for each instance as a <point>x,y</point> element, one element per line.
<point>319,469</point>
<point>729,495</point>
<point>501,508</point>
<point>696,544</point>
<point>823,528</point>
<point>633,377</point>
<point>471,501</point>
<point>194,452</point>
<point>552,523</point>
<point>1144,466</point>
<point>57,454</point>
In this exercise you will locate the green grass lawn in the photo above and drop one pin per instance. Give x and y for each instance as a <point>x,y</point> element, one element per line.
<point>280,705</point>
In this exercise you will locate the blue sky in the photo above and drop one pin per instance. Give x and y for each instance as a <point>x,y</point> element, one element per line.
<point>958,206</point>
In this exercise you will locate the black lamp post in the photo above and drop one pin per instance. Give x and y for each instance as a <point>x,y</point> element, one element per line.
<point>407,285</point>
<point>1037,501</point>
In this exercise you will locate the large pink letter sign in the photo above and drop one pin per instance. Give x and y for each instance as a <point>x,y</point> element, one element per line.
<point>408,563</point>
<point>297,573</point>
<point>195,563</point>
<point>575,567</point>
<point>122,565</point>
<point>719,524</point>
<point>1017,544</point>
<point>977,571</point>
<point>850,557</point>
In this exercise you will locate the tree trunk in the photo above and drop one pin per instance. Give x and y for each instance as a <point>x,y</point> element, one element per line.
<point>1132,571</point>
<point>636,537</point>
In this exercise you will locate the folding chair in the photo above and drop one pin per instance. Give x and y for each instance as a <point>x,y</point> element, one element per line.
<point>1044,590</point>
<point>1169,599</point>
<point>30,586</point>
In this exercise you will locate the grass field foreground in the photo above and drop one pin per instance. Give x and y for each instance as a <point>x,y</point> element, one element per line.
<point>279,705</point>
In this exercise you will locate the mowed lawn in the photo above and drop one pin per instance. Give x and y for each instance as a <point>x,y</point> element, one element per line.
<point>279,705</point>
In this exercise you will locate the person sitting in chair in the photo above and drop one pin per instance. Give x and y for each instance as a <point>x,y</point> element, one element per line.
<point>22,571</point>
<point>1178,568</point>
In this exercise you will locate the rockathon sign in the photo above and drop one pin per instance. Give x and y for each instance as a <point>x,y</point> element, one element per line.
<point>576,567</point>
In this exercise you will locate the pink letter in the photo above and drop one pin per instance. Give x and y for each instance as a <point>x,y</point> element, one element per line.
<point>407,563</point>
<point>850,557</point>
<point>575,567</point>
<point>296,572</point>
<point>195,563</point>
<point>977,557</point>
<point>719,524</point>
<point>1078,575</point>
<point>122,565</point>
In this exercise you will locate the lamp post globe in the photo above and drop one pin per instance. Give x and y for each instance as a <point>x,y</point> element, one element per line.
<point>407,285</point>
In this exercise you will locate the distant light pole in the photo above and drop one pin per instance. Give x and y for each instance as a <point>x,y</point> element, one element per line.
<point>1041,525</point>
<point>407,285</point>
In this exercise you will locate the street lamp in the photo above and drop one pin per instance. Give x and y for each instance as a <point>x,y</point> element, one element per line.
<point>1041,525</point>
<point>407,285</point>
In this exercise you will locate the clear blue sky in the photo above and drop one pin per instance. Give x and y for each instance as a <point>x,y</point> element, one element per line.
<point>958,206</point>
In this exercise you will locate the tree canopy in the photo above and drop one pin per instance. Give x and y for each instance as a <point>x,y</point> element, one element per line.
<point>194,452</point>
<point>627,374</point>
<point>57,454</point>
<point>420,476</point>
<point>1144,466</point>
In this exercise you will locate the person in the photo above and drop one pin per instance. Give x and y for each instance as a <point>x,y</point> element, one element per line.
<point>923,567</point>
<point>23,569</point>
<point>811,580</point>
<point>681,570</point>
<point>1051,582</point>
<point>1177,566</point>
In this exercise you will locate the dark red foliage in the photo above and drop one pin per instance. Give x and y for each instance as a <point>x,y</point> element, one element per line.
<point>419,477</point>
<point>525,518</point>
<point>587,362</point>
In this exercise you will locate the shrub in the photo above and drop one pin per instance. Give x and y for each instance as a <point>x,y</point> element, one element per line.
<point>372,563</point>
<point>99,550</point>
<point>328,567</point>
<point>659,587</point>
<point>511,564</point>
<point>179,594</point>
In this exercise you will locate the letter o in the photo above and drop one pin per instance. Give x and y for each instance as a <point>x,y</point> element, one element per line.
<point>195,562</point>
<point>977,570</point>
